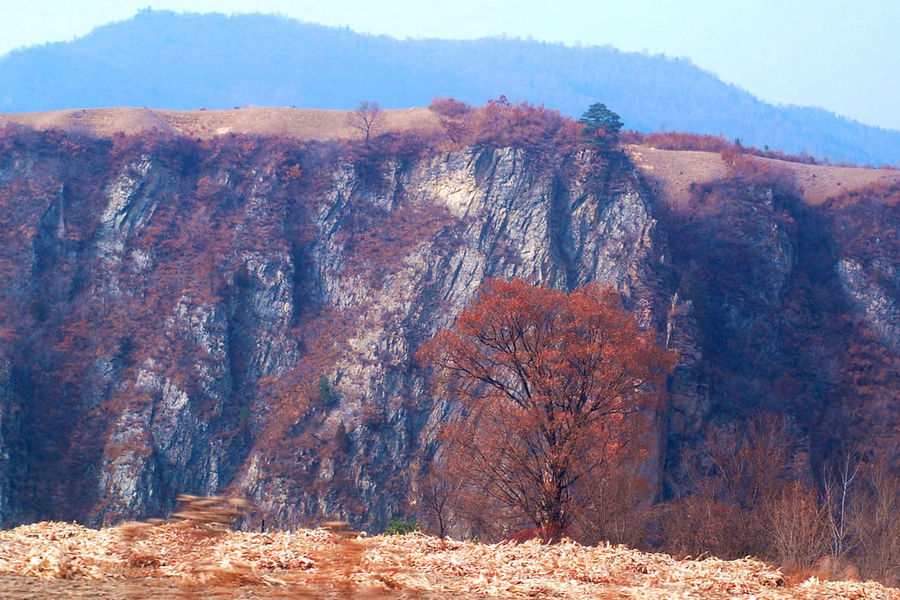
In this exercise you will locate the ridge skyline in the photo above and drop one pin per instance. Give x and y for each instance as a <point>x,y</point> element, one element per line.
<point>114,66</point>
<point>824,54</point>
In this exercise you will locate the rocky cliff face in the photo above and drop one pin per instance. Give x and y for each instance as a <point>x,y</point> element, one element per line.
<point>9,437</point>
<point>240,314</point>
<point>485,213</point>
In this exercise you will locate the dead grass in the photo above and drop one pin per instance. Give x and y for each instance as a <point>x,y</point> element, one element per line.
<point>676,170</point>
<point>301,124</point>
<point>330,562</point>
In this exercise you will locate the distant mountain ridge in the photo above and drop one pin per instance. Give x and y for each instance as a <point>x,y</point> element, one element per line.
<point>187,61</point>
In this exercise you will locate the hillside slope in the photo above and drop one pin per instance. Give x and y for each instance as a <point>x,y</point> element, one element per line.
<point>188,62</point>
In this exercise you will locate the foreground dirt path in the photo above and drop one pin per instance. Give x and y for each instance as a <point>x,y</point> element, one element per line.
<point>20,587</point>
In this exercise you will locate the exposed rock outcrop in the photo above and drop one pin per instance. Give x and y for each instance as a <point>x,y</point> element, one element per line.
<point>241,314</point>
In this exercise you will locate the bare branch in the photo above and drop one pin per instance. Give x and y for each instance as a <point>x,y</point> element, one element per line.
<point>365,118</point>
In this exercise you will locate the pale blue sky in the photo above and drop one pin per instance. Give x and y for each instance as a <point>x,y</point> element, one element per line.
<point>841,55</point>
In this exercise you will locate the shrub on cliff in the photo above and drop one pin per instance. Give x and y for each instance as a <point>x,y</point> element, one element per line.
<point>502,124</point>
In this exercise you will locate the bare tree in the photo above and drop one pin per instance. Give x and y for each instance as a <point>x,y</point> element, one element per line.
<point>837,487</point>
<point>618,508</point>
<point>798,526</point>
<point>364,118</point>
<point>736,476</point>
<point>437,490</point>
<point>874,523</point>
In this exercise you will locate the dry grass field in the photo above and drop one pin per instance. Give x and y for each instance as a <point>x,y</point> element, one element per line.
<point>676,170</point>
<point>302,124</point>
<point>185,560</point>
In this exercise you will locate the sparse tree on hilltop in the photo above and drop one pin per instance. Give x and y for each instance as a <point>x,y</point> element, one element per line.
<point>364,118</point>
<point>601,126</point>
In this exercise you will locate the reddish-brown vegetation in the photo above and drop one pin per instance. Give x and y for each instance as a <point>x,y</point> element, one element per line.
<point>365,118</point>
<point>866,219</point>
<point>503,124</point>
<point>550,386</point>
<point>752,496</point>
<point>680,140</point>
<point>749,491</point>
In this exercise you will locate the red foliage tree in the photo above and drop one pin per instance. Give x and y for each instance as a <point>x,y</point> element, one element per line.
<point>547,382</point>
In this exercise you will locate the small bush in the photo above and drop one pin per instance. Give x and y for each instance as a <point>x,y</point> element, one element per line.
<point>401,526</point>
<point>327,396</point>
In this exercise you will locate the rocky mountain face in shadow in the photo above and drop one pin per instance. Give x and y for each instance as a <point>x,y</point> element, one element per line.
<point>241,314</point>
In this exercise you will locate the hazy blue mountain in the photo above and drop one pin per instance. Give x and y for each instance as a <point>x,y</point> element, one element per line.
<point>166,60</point>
